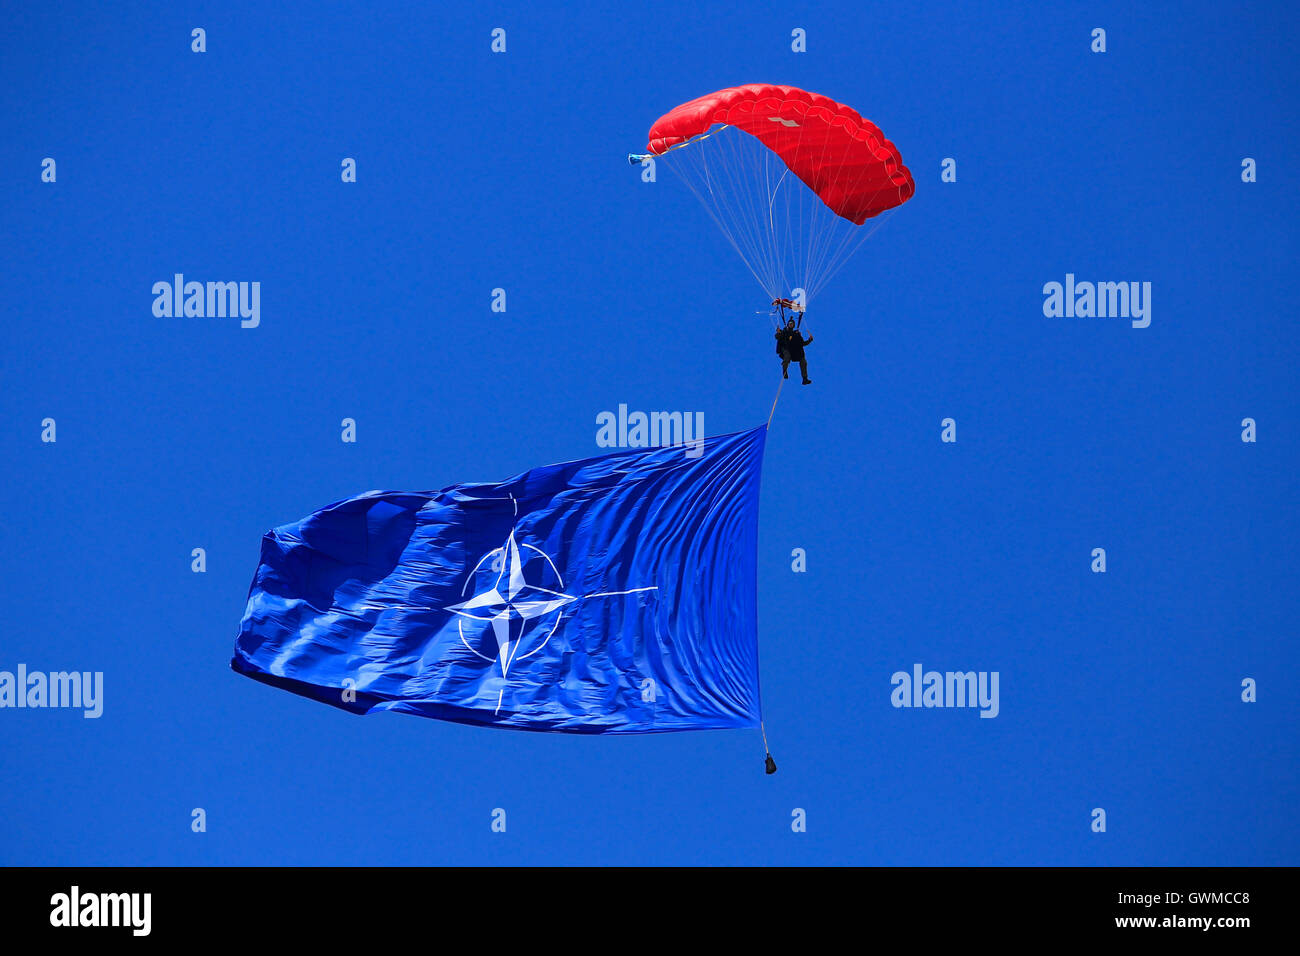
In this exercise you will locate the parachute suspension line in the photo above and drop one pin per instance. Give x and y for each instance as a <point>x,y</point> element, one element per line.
<point>824,240</point>
<point>726,176</point>
<point>701,167</point>
<point>850,246</point>
<point>777,223</point>
<point>779,211</point>
<point>787,240</point>
<point>852,241</point>
<point>802,244</point>
<point>827,250</point>
<point>752,208</point>
<point>746,211</point>
<point>786,247</point>
<point>745,223</point>
<point>763,218</point>
<point>820,249</point>
<point>739,208</point>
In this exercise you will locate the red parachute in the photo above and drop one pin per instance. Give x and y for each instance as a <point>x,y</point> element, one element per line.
<point>736,149</point>
<point>841,157</point>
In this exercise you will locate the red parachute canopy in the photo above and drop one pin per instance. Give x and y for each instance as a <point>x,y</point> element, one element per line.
<point>841,157</point>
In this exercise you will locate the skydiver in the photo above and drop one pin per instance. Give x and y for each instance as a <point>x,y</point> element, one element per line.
<point>790,345</point>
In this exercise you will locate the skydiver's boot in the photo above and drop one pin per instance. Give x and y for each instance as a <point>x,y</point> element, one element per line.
<point>807,381</point>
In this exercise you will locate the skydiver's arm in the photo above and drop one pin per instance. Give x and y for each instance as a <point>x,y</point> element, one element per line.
<point>808,341</point>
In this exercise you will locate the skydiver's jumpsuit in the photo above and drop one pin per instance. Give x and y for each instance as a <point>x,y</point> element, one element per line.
<point>790,343</point>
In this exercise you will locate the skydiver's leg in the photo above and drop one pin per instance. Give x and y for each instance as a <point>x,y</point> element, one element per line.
<point>803,367</point>
<point>785,364</point>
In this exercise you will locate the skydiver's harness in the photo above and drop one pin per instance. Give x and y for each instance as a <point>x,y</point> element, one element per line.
<point>794,307</point>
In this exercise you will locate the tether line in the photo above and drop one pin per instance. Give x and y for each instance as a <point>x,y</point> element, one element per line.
<point>774,401</point>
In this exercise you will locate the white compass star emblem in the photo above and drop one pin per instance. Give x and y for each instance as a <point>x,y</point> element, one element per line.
<point>511,598</point>
<point>508,602</point>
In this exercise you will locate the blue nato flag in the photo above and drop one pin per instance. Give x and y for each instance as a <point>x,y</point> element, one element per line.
<point>610,595</point>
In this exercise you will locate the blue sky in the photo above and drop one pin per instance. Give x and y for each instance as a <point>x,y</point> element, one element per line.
<point>477,171</point>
